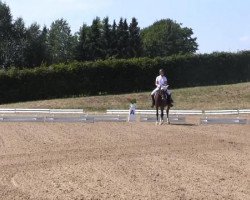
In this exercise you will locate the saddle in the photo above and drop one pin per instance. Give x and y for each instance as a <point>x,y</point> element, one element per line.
<point>165,94</point>
<point>162,94</point>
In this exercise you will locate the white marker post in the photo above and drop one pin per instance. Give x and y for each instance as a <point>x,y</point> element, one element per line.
<point>132,114</point>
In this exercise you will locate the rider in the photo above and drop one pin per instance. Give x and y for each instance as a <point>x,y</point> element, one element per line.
<point>160,81</point>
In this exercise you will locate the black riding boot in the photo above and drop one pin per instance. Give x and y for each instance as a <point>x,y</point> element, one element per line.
<point>153,101</point>
<point>170,100</point>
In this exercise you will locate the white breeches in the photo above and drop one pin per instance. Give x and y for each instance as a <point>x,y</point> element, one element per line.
<point>156,89</point>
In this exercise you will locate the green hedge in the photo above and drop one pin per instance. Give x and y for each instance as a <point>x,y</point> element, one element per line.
<point>122,76</point>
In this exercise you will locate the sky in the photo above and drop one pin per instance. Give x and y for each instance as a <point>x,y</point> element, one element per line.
<point>219,25</point>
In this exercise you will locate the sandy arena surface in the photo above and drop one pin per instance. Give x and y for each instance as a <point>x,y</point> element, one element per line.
<point>124,161</point>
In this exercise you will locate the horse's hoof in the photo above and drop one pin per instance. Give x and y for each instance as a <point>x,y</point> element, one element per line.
<point>156,123</point>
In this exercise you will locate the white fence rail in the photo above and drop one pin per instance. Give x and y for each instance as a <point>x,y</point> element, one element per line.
<point>245,111</point>
<point>184,112</point>
<point>152,112</point>
<point>123,112</point>
<point>30,111</point>
<point>66,111</point>
<point>40,111</point>
<point>221,112</point>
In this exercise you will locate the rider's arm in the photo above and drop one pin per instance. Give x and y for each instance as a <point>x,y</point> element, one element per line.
<point>157,83</point>
<point>166,81</point>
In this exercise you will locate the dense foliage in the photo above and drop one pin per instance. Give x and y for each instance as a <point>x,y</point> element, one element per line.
<point>166,37</point>
<point>122,76</point>
<point>34,46</point>
<point>105,58</point>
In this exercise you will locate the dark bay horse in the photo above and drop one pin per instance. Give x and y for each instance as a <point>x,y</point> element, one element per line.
<point>161,102</point>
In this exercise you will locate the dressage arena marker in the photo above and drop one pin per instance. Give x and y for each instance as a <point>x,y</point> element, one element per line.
<point>205,121</point>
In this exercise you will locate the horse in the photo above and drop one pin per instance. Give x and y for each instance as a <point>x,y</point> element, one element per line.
<point>161,102</point>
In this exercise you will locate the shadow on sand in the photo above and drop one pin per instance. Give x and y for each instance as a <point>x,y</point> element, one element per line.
<point>184,124</point>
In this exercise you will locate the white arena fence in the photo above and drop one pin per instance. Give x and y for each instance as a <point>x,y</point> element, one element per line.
<point>152,112</point>
<point>123,112</point>
<point>40,111</point>
<point>78,115</point>
<point>183,112</point>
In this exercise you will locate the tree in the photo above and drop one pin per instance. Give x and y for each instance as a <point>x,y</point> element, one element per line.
<point>12,39</point>
<point>47,57</point>
<point>135,42</point>
<point>81,51</point>
<point>123,39</point>
<point>32,46</point>
<point>94,40</point>
<point>20,47</point>
<point>61,42</point>
<point>114,39</point>
<point>18,43</point>
<point>166,37</point>
<point>106,38</point>
<point>5,22</point>
<point>5,34</point>
<point>36,51</point>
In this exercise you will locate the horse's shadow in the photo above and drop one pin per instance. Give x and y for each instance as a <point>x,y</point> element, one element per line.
<point>183,124</point>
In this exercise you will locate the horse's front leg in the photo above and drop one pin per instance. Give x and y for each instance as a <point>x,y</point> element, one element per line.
<point>167,111</point>
<point>162,116</point>
<point>157,115</point>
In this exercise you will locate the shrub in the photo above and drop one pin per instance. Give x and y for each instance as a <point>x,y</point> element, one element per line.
<point>122,76</point>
